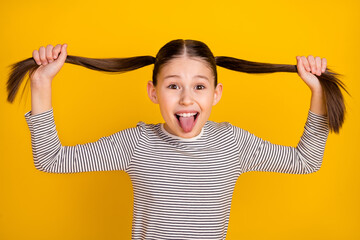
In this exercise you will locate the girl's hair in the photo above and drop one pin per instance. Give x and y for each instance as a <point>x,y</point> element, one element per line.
<point>329,80</point>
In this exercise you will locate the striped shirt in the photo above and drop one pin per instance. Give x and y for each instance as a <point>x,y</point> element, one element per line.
<point>182,187</point>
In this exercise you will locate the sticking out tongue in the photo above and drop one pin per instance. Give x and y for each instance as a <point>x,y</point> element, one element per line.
<point>187,123</point>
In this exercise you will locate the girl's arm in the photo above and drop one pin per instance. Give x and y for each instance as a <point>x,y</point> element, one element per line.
<point>108,153</point>
<point>40,99</point>
<point>318,105</point>
<point>256,154</point>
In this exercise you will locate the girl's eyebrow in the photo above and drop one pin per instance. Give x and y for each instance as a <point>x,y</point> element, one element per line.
<point>177,76</point>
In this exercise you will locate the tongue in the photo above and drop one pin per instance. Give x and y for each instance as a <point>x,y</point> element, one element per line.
<point>187,123</point>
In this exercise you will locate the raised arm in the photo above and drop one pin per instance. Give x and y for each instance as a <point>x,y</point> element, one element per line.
<point>257,154</point>
<point>112,152</point>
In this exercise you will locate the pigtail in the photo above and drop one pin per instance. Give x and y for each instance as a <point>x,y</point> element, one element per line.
<point>112,65</point>
<point>329,81</point>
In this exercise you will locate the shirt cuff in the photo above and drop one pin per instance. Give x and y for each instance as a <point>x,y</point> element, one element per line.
<point>317,122</point>
<point>41,121</point>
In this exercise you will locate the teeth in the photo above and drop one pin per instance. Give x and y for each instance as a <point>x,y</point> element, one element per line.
<point>186,114</point>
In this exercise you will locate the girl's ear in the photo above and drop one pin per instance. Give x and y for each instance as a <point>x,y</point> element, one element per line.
<point>217,93</point>
<point>152,92</point>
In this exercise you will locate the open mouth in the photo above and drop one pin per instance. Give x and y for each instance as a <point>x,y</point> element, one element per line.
<point>187,121</point>
<point>194,116</point>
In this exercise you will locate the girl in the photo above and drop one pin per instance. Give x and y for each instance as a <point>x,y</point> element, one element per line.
<point>184,170</point>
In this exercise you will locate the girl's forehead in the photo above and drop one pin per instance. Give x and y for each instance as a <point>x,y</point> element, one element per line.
<point>185,67</point>
<point>186,61</point>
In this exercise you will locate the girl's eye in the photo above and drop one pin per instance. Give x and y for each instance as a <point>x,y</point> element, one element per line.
<point>171,86</point>
<point>174,86</point>
<point>200,87</point>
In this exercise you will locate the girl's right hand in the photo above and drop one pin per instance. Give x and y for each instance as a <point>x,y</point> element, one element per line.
<point>50,63</point>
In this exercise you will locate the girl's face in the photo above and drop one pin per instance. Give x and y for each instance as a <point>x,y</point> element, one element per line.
<point>185,85</point>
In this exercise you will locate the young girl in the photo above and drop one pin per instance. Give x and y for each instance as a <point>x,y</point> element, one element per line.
<point>183,171</point>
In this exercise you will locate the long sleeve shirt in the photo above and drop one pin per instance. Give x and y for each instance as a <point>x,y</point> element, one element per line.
<point>182,186</point>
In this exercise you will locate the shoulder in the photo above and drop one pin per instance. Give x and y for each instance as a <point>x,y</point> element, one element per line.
<point>146,126</point>
<point>148,129</point>
<point>219,128</point>
<point>217,125</point>
<point>226,127</point>
<point>222,126</point>
<point>132,133</point>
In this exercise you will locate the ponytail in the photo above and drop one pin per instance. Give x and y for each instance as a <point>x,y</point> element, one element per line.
<point>329,81</point>
<point>112,65</point>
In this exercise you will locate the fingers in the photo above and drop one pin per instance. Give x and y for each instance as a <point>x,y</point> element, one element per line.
<point>56,51</point>
<point>312,63</point>
<point>45,54</point>
<point>318,65</point>
<point>42,55</point>
<point>324,63</point>
<point>48,54</point>
<point>36,57</point>
<point>315,65</point>
<point>306,63</point>
<point>300,65</point>
<point>63,53</point>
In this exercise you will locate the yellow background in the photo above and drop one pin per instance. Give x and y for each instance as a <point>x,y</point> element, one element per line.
<point>89,104</point>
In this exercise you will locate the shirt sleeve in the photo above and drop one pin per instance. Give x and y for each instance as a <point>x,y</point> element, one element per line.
<point>112,152</point>
<point>257,154</point>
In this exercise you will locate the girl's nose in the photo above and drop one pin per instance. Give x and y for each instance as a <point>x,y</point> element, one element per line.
<point>186,98</point>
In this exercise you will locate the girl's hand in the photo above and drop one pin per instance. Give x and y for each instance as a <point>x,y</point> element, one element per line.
<point>50,63</point>
<point>308,68</point>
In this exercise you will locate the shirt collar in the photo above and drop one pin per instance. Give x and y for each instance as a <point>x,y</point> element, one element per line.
<point>181,138</point>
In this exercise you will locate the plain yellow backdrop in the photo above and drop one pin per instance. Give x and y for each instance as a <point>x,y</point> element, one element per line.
<point>89,104</point>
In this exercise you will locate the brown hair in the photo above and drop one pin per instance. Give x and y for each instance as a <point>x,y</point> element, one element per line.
<point>329,80</point>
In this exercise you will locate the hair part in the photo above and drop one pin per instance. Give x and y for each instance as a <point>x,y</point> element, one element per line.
<point>329,80</point>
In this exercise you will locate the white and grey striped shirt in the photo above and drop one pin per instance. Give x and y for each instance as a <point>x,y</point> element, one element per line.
<point>182,187</point>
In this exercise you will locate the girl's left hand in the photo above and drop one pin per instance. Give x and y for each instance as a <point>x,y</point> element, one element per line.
<point>308,67</point>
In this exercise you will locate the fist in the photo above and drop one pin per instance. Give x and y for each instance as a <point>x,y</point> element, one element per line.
<point>50,62</point>
<point>310,67</point>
